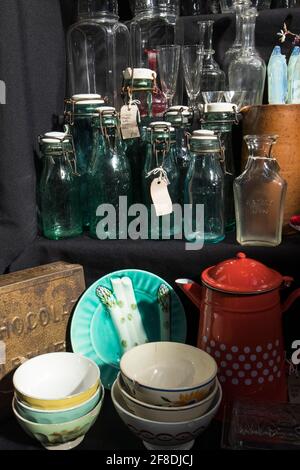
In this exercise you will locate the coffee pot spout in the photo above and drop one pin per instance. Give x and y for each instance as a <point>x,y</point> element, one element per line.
<point>191,289</point>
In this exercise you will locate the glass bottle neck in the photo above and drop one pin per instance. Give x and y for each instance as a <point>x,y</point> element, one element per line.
<point>156,7</point>
<point>206,35</point>
<point>98,9</point>
<point>248,33</point>
<point>238,27</point>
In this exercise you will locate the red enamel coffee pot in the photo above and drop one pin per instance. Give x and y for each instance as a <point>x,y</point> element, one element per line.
<point>241,326</point>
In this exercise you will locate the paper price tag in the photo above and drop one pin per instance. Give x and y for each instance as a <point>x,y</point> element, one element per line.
<point>161,197</point>
<point>129,122</point>
<point>2,353</point>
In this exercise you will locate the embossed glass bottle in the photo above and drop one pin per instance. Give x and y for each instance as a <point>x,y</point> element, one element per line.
<point>259,194</point>
<point>109,176</point>
<point>59,187</point>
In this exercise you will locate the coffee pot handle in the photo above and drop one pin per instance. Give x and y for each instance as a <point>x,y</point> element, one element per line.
<point>290,300</point>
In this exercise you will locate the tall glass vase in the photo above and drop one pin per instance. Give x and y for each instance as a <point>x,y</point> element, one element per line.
<point>213,78</point>
<point>247,71</point>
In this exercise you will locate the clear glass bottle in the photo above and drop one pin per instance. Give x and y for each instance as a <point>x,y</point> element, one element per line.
<point>259,194</point>
<point>59,187</point>
<point>79,112</point>
<point>220,117</point>
<point>98,49</point>
<point>161,155</point>
<point>213,78</point>
<point>199,7</point>
<point>239,7</point>
<point>205,185</point>
<point>109,175</point>
<point>181,118</point>
<point>155,23</point>
<point>247,71</point>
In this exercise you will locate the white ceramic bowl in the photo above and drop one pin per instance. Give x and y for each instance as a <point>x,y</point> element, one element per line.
<point>171,414</point>
<point>168,374</point>
<point>166,436</point>
<point>56,381</point>
<point>62,436</point>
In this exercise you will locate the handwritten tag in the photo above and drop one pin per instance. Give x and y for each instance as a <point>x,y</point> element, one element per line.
<point>129,122</point>
<point>2,352</point>
<point>161,197</point>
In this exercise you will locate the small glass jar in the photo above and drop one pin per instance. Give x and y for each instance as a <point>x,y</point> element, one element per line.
<point>220,117</point>
<point>204,185</point>
<point>59,187</point>
<point>181,118</point>
<point>109,177</point>
<point>79,112</point>
<point>259,194</point>
<point>161,159</point>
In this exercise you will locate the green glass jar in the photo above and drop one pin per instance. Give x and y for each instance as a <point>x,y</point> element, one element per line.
<point>161,160</point>
<point>79,112</point>
<point>204,185</point>
<point>139,85</point>
<point>109,177</point>
<point>59,187</point>
<point>181,118</point>
<point>220,117</point>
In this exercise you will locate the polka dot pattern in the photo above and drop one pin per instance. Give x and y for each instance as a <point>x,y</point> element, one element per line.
<point>245,365</point>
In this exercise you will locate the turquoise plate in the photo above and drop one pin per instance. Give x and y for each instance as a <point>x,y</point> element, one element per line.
<point>93,333</point>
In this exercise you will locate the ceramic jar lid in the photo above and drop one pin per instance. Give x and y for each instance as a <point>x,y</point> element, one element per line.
<point>242,275</point>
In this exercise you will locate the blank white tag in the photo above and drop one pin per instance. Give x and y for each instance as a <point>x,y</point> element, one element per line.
<point>161,197</point>
<point>2,352</point>
<point>129,122</point>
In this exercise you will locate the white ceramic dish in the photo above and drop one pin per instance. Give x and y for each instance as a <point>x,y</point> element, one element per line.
<point>62,436</point>
<point>171,414</point>
<point>164,436</point>
<point>56,381</point>
<point>168,374</point>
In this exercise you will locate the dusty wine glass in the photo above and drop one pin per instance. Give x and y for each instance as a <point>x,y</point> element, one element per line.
<point>168,63</point>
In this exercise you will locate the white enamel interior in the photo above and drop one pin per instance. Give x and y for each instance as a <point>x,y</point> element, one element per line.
<point>56,376</point>
<point>168,366</point>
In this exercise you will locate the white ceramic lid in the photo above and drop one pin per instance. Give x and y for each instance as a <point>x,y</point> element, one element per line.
<point>140,73</point>
<point>219,107</point>
<point>160,125</point>
<point>85,102</point>
<point>86,96</point>
<point>54,137</point>
<point>105,108</point>
<point>203,134</point>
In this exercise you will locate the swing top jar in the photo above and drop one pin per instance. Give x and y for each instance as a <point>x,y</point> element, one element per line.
<point>139,84</point>
<point>59,188</point>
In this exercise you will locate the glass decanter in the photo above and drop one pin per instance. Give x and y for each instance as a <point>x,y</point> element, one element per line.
<point>239,7</point>
<point>247,71</point>
<point>213,78</point>
<point>98,49</point>
<point>259,194</point>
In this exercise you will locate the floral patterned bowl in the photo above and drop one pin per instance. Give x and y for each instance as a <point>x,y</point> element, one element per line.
<point>168,414</point>
<point>61,436</point>
<point>165,436</point>
<point>168,373</point>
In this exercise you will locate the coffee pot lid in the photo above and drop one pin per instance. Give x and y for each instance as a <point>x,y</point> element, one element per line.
<point>242,275</point>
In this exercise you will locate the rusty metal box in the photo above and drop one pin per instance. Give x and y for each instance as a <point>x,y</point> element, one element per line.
<point>35,308</point>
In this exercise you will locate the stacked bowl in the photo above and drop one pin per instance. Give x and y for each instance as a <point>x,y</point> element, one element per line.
<point>167,394</point>
<point>58,397</point>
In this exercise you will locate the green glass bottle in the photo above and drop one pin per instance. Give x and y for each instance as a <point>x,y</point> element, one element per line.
<point>59,187</point>
<point>220,117</point>
<point>79,112</point>
<point>109,177</point>
<point>160,163</point>
<point>204,185</point>
<point>181,118</point>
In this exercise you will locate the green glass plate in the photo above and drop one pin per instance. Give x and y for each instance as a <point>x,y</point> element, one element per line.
<point>93,333</point>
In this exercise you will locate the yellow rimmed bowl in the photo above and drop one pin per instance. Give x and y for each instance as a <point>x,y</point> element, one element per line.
<point>56,381</point>
<point>167,414</point>
<point>60,436</point>
<point>168,373</point>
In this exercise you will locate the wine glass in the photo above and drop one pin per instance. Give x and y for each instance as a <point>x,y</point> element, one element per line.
<point>168,64</point>
<point>212,96</point>
<point>192,60</point>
